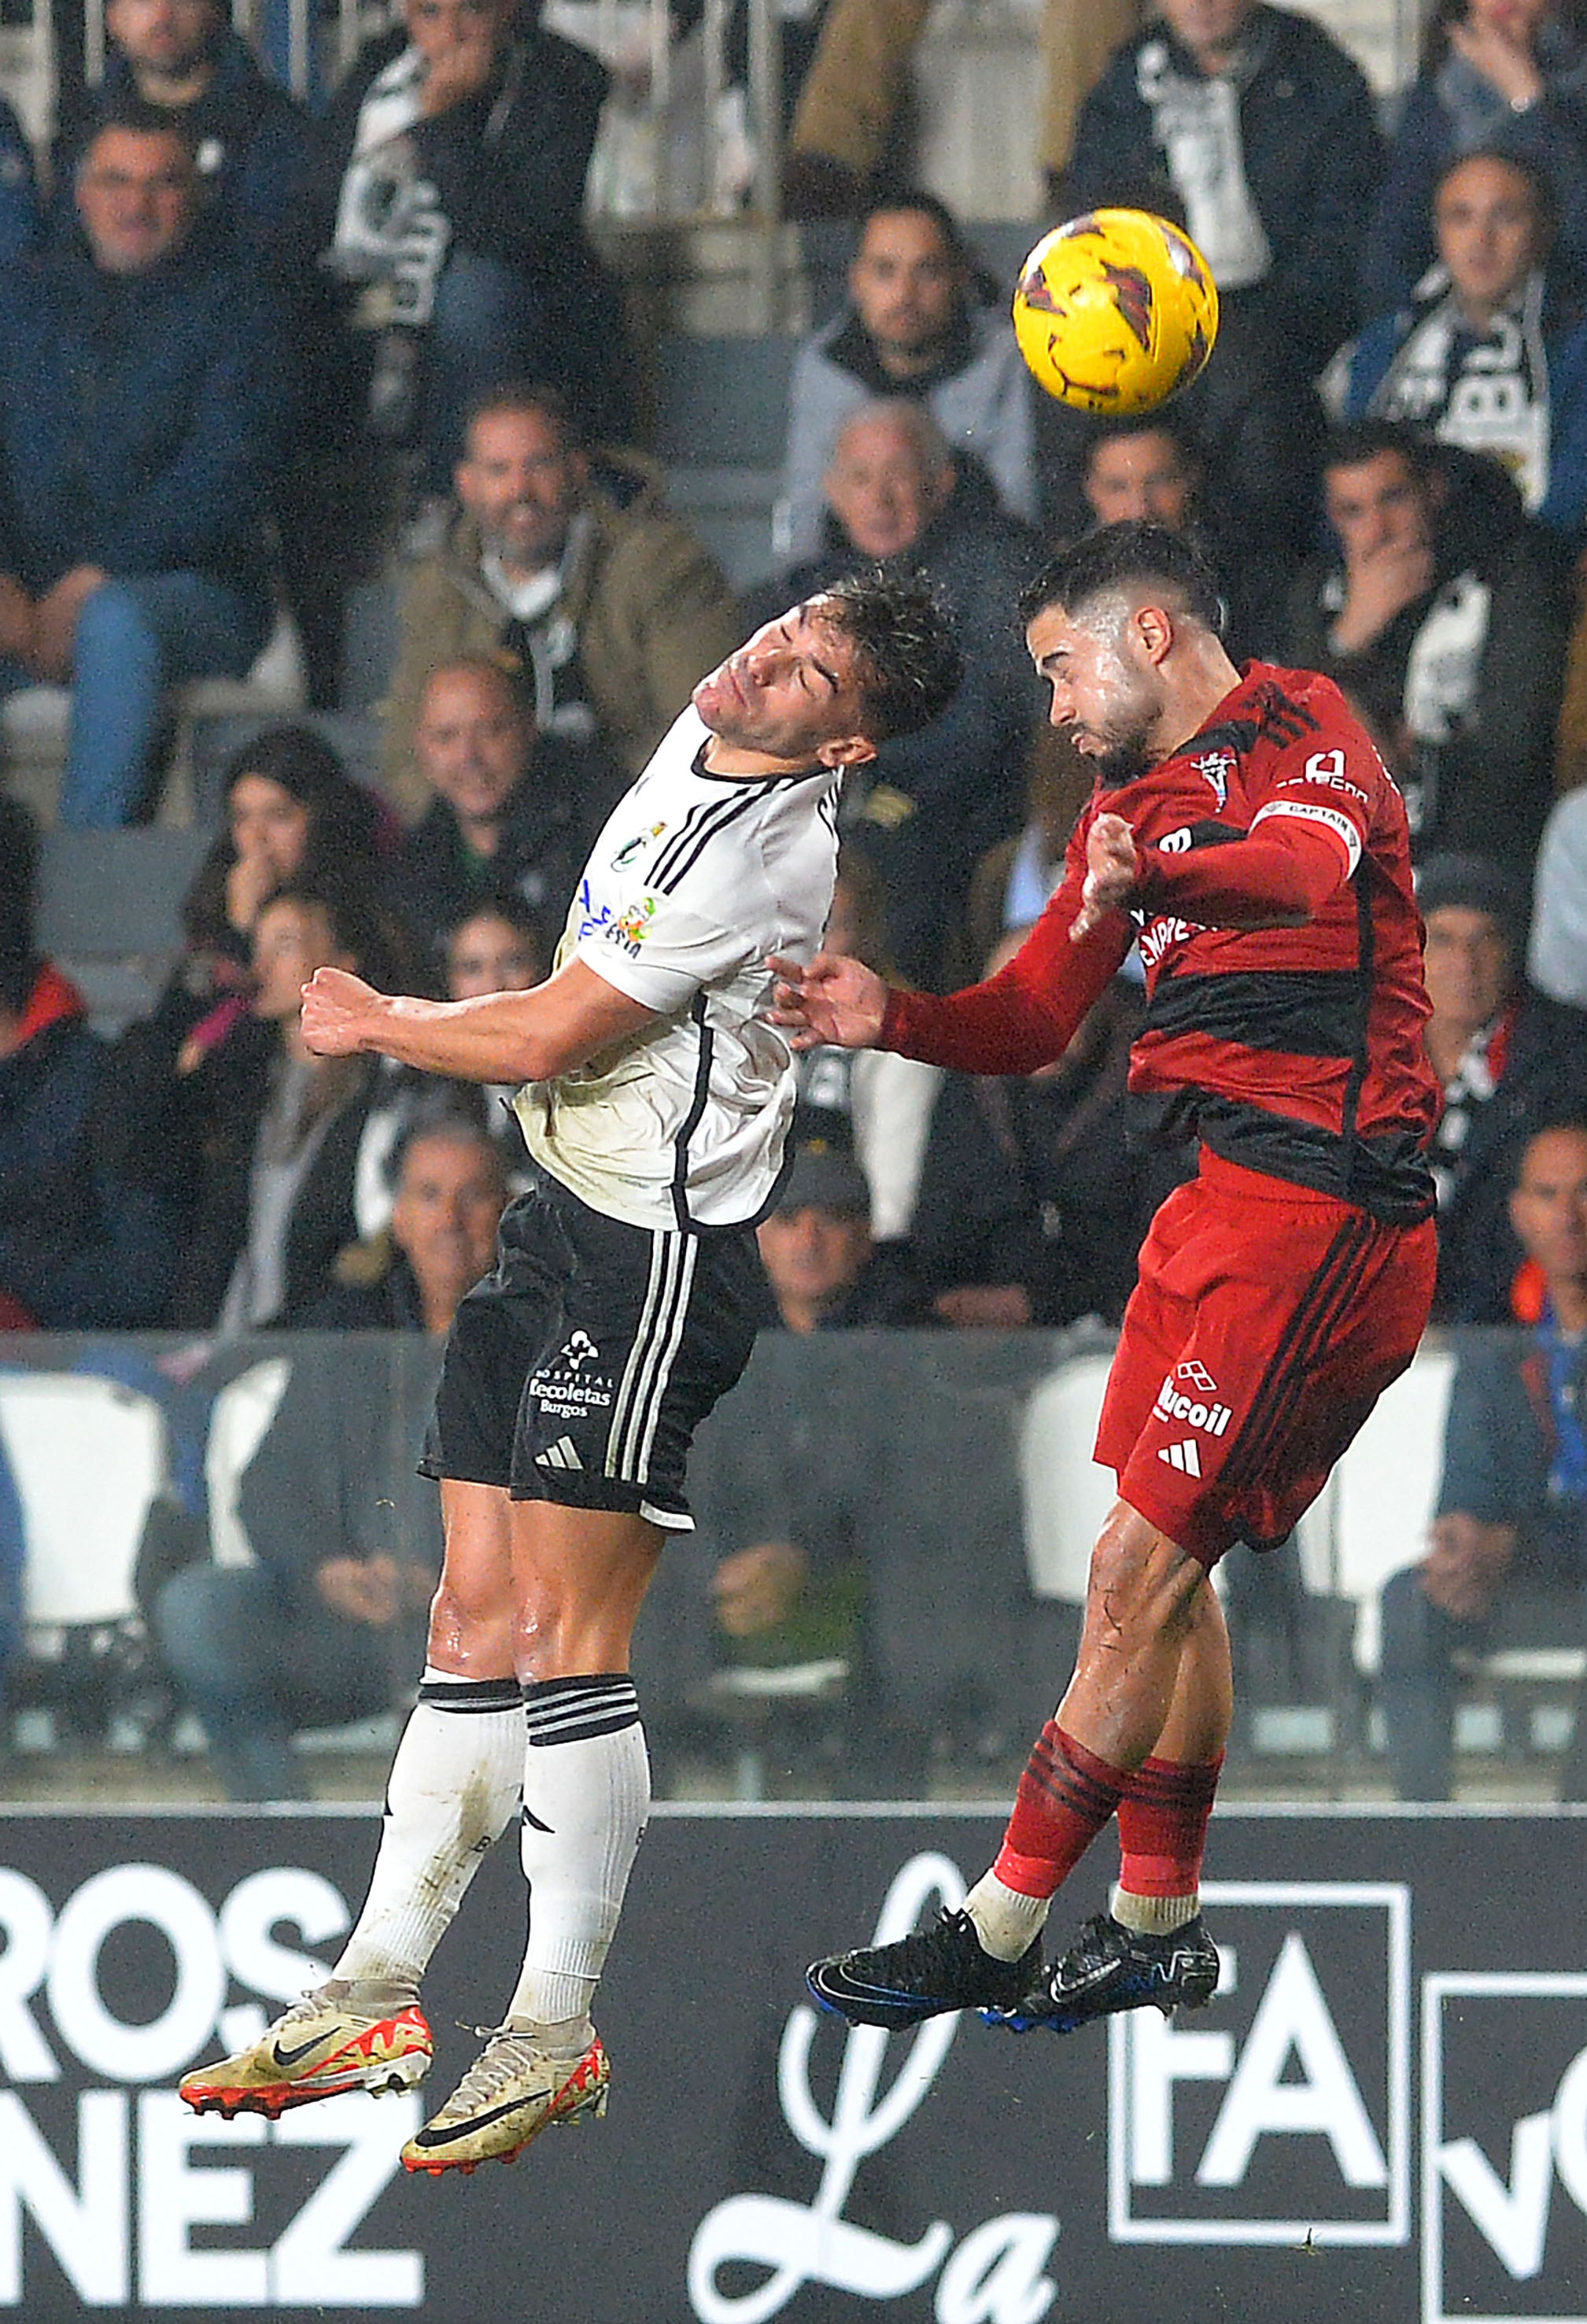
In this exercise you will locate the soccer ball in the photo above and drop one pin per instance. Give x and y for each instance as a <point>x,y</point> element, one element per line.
<point>1116,311</point>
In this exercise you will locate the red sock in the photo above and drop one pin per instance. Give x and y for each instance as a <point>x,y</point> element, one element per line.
<point>1163,1826</point>
<point>1065,1795</point>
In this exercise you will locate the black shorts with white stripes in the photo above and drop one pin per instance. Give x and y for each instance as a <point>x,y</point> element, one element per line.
<point>580,1370</point>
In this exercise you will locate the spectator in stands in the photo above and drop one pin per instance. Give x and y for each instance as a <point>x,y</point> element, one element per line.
<point>496,947</point>
<point>1032,1204</point>
<point>1440,597</point>
<point>566,567</point>
<point>82,1247</point>
<point>256,149</point>
<point>19,188</point>
<point>1143,469</point>
<point>144,390</point>
<point>1556,955</point>
<point>1489,354</point>
<point>1503,76</point>
<point>254,143</point>
<point>450,201</point>
<point>826,1273</point>
<point>448,1185</point>
<point>1570,764</point>
<point>1509,1537</point>
<point>325,1625</point>
<point>1252,125</point>
<point>291,815</point>
<point>499,948</point>
<point>509,812</point>
<point>1014,880</point>
<point>1507,1057</point>
<point>934,801</point>
<point>269,1134</point>
<point>1147,468</point>
<point>919,322</point>
<point>869,1103</point>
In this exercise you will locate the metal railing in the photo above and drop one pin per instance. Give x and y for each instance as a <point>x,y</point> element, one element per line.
<point>680,139</point>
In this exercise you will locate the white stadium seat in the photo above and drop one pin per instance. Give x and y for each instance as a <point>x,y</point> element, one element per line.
<point>87,1456</point>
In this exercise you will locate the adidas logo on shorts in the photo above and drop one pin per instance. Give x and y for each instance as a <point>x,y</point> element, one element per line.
<point>562,1454</point>
<point>1182,1457</point>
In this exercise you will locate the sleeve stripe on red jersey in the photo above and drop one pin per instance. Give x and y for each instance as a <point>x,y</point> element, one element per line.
<point>1328,818</point>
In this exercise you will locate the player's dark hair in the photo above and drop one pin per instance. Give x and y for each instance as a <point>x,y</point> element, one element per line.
<point>1123,557</point>
<point>909,663</point>
<point>1352,446</point>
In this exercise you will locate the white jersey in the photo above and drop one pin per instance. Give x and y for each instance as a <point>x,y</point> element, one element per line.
<point>694,880</point>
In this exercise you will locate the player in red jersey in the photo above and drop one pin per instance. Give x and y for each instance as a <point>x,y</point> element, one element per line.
<point>1244,832</point>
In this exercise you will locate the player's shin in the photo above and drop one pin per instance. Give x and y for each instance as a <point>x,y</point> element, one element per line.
<point>453,1786</point>
<point>586,1794</point>
<point>1168,1801</point>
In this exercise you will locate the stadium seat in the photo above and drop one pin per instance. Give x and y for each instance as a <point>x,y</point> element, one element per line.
<point>1374,1516</point>
<point>238,1418</point>
<point>87,1457</point>
<point>34,724</point>
<point>110,914</point>
<point>1065,1495</point>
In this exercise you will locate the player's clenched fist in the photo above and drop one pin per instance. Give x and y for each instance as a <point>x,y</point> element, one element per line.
<point>1112,867</point>
<point>338,1010</point>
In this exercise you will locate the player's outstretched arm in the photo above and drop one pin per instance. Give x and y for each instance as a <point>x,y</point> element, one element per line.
<point>501,1037</point>
<point>835,1001</point>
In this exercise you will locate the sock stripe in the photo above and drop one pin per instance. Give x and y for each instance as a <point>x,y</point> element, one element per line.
<point>1160,1783</point>
<point>1055,1773</point>
<point>543,1690</point>
<point>577,1710</point>
<point>476,1694</point>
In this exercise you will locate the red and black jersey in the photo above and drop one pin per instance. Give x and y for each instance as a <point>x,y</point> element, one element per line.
<point>1293,1050</point>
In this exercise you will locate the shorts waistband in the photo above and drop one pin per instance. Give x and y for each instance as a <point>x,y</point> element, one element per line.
<point>1262,1187</point>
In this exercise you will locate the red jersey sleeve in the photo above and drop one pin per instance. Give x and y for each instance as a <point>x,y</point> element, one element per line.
<point>1029,1013</point>
<point>1282,875</point>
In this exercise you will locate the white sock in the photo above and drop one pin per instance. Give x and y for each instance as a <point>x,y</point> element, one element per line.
<point>453,1786</point>
<point>1006,1922</point>
<point>587,1792</point>
<point>1157,1916</point>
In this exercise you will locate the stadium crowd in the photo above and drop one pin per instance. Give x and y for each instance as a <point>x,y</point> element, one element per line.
<point>246,351</point>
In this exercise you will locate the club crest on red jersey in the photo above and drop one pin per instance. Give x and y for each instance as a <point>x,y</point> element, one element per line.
<point>1216,767</point>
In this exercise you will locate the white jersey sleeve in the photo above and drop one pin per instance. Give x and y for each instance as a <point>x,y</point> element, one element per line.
<point>660,951</point>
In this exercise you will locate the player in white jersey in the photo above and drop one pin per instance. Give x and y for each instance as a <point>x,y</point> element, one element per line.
<point>656,1098</point>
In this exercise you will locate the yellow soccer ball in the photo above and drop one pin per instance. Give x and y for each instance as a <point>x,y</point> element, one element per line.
<point>1116,311</point>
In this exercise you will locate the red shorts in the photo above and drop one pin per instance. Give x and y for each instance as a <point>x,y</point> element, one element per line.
<point>1266,1322</point>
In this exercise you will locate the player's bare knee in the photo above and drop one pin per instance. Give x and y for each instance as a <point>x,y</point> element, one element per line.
<point>467,1620</point>
<point>1140,1582</point>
